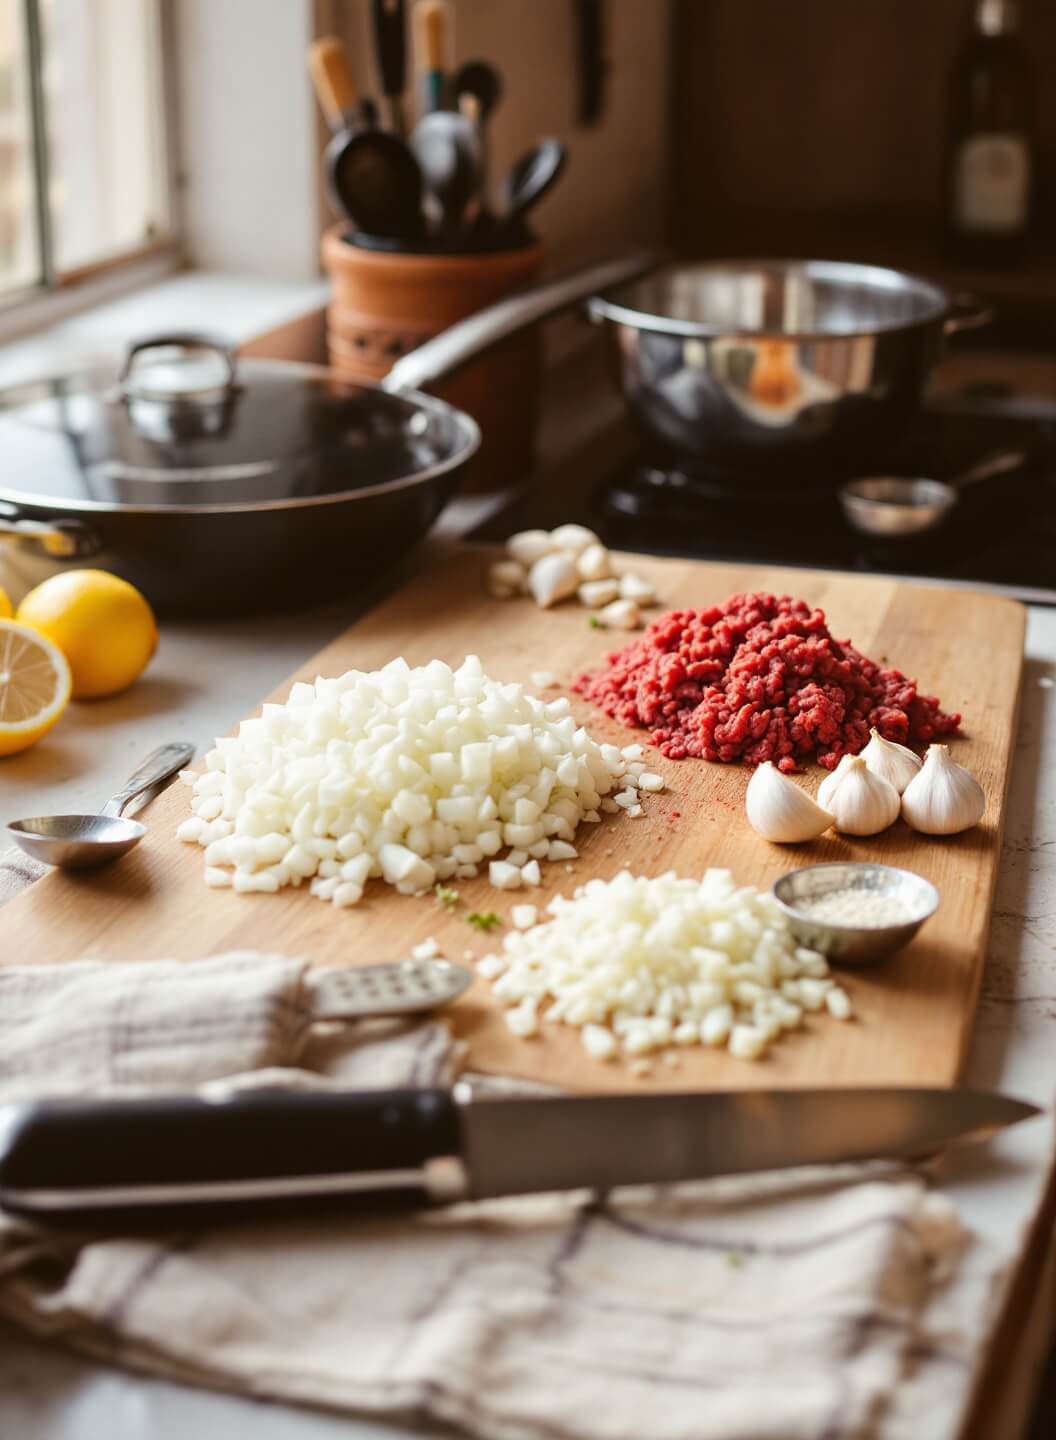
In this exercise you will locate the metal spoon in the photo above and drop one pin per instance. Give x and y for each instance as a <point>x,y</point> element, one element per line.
<point>890,506</point>
<point>446,145</point>
<point>81,842</point>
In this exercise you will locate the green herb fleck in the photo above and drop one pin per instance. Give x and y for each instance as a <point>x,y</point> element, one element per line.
<point>594,623</point>
<point>447,897</point>
<point>483,919</point>
<point>734,1260</point>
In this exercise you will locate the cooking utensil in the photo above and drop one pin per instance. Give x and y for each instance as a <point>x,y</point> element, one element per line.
<point>233,1151</point>
<point>742,365</point>
<point>854,944</point>
<point>376,182</point>
<point>335,89</point>
<point>433,26</point>
<point>892,505</point>
<point>372,177</point>
<point>390,53</point>
<point>446,144</point>
<point>82,842</point>
<point>528,180</point>
<point>201,481</point>
<point>368,992</point>
<point>477,90</point>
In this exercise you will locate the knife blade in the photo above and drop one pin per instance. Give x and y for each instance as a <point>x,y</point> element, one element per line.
<point>227,1152</point>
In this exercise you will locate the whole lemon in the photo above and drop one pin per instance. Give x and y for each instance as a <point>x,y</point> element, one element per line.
<point>6,608</point>
<point>102,624</point>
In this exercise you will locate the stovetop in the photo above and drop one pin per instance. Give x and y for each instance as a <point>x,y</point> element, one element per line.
<point>1000,534</point>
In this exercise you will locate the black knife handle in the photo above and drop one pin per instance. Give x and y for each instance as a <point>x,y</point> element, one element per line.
<point>236,1153</point>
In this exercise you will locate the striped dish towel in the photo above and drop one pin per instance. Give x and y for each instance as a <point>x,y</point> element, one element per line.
<point>778,1307</point>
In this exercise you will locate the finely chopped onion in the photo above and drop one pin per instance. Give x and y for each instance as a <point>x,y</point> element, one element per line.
<point>639,964</point>
<point>411,775</point>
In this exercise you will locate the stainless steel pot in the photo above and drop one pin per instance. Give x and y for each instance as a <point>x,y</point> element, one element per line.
<point>745,365</point>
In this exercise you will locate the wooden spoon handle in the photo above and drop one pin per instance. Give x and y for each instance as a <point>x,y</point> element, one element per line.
<point>334,86</point>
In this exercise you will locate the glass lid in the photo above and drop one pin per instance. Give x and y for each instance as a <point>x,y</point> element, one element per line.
<point>184,428</point>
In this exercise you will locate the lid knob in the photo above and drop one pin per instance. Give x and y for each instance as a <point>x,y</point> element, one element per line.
<point>201,371</point>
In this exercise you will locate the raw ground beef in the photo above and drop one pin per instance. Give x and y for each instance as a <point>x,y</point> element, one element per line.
<point>759,678</point>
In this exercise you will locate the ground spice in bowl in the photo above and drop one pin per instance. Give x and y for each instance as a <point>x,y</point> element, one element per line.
<point>757,678</point>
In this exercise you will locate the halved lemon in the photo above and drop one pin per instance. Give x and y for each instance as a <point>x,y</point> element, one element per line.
<point>35,686</point>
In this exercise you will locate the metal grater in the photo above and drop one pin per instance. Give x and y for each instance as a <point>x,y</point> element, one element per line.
<point>402,988</point>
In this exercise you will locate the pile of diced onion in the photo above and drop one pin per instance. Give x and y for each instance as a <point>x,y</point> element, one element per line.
<point>640,964</point>
<point>412,775</point>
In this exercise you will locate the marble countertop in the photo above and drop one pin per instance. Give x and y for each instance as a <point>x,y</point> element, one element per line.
<point>205,677</point>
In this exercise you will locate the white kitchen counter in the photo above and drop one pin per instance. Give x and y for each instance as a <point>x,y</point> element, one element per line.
<point>206,676</point>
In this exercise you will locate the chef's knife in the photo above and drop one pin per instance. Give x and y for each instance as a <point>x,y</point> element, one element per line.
<point>233,1152</point>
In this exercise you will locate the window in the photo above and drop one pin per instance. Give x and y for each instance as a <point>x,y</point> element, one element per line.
<point>84,177</point>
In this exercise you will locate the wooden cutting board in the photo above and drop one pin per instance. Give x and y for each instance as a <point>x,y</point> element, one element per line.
<point>913,1014</point>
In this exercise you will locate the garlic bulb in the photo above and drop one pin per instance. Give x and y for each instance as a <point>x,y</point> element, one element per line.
<point>780,811</point>
<point>863,803</point>
<point>827,788</point>
<point>944,798</point>
<point>894,762</point>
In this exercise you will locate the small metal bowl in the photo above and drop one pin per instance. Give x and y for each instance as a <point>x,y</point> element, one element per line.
<point>888,506</point>
<point>854,944</point>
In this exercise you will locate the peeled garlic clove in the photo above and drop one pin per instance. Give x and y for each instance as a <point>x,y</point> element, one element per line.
<point>553,578</point>
<point>593,563</point>
<point>506,578</point>
<point>895,763</point>
<point>863,803</point>
<point>633,587</point>
<point>620,615</point>
<point>827,788</point>
<point>528,546</point>
<point>943,798</point>
<point>780,811</point>
<point>573,538</point>
<point>596,593</point>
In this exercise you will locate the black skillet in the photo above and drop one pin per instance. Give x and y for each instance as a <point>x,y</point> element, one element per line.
<point>218,486</point>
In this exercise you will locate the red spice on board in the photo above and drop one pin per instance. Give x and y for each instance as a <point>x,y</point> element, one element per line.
<point>757,678</point>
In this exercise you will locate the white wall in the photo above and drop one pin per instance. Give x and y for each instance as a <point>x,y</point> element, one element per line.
<point>247,143</point>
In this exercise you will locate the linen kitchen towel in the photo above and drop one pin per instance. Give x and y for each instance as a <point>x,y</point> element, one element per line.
<point>779,1306</point>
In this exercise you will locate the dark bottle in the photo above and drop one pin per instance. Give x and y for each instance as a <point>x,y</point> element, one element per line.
<point>991,152</point>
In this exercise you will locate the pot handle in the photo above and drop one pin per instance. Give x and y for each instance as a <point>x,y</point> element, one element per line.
<point>62,539</point>
<point>968,312</point>
<point>452,348</point>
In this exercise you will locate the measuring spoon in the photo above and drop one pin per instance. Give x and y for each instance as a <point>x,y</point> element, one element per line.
<point>81,842</point>
<point>889,505</point>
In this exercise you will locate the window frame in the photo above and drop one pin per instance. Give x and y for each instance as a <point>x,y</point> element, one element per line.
<point>57,294</point>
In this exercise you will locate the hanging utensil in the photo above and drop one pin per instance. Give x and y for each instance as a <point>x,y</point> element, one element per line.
<point>891,506</point>
<point>528,180</point>
<point>433,36</point>
<point>390,52</point>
